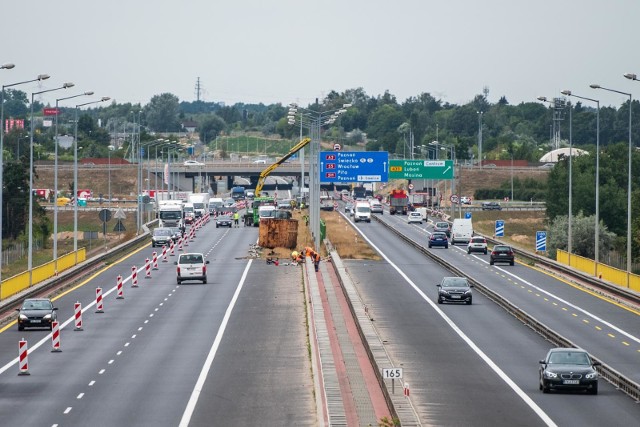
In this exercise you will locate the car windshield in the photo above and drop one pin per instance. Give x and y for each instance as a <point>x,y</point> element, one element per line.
<point>442,225</point>
<point>224,218</point>
<point>363,209</point>
<point>502,248</point>
<point>170,214</point>
<point>36,305</point>
<point>190,259</point>
<point>454,282</point>
<point>438,235</point>
<point>569,358</point>
<point>162,232</point>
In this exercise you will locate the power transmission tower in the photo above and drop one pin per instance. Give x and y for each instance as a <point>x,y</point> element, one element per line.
<point>198,89</point>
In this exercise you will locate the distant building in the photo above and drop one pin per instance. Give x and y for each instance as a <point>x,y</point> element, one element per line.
<point>555,155</point>
<point>189,126</point>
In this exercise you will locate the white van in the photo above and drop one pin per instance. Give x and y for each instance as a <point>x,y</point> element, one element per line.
<point>461,231</point>
<point>266,211</point>
<point>362,212</point>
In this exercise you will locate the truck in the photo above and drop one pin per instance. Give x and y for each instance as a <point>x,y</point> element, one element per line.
<point>426,200</point>
<point>359,193</point>
<point>238,193</point>
<point>170,213</point>
<point>398,202</point>
<point>252,215</point>
<point>200,203</point>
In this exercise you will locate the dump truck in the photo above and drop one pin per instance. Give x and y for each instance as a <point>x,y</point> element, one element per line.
<point>398,202</point>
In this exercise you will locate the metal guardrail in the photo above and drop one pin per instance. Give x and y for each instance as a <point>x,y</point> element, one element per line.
<point>618,380</point>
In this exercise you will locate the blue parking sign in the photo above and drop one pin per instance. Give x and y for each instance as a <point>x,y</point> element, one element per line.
<point>499,228</point>
<point>541,241</point>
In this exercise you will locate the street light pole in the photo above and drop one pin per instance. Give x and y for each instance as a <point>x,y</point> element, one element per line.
<point>596,86</point>
<point>39,78</point>
<point>75,174</point>
<point>30,244</point>
<point>55,180</point>
<point>596,251</point>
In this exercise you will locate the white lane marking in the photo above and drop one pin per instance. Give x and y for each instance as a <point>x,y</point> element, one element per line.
<point>146,321</point>
<point>119,353</point>
<point>151,315</point>
<point>140,328</point>
<point>197,389</point>
<point>539,411</point>
<point>91,383</point>
<point>101,371</point>
<point>575,307</point>
<point>80,396</point>
<point>110,362</point>
<point>156,309</point>
<point>66,411</point>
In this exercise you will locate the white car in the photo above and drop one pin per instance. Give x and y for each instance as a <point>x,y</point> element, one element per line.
<point>465,200</point>
<point>192,163</point>
<point>477,244</point>
<point>415,217</point>
<point>191,266</point>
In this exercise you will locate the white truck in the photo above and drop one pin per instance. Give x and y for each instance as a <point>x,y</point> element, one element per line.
<point>170,213</point>
<point>200,203</point>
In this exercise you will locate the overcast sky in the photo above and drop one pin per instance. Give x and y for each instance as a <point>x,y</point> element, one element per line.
<point>296,50</point>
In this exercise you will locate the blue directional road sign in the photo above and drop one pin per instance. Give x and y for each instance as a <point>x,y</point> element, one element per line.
<point>541,241</point>
<point>499,228</point>
<point>467,215</point>
<point>354,166</point>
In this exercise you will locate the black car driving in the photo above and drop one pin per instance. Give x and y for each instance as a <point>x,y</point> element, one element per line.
<point>455,289</point>
<point>570,369</point>
<point>36,313</point>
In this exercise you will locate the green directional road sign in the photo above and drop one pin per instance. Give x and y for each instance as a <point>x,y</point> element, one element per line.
<point>421,169</point>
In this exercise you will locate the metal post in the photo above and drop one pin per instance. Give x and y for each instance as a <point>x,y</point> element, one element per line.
<point>629,201</point>
<point>570,237</point>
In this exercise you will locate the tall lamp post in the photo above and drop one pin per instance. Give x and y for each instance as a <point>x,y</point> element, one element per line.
<point>30,250</point>
<point>37,79</point>
<point>315,121</point>
<point>75,173</point>
<point>55,179</point>
<point>597,228</point>
<point>596,86</point>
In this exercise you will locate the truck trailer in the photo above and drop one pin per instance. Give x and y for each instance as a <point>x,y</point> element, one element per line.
<point>398,202</point>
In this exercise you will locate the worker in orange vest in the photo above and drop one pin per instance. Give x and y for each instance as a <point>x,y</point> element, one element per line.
<point>316,260</point>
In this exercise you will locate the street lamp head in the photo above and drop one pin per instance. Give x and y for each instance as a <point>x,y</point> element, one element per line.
<point>631,76</point>
<point>566,92</point>
<point>42,77</point>
<point>6,66</point>
<point>542,98</point>
<point>347,105</point>
<point>293,105</point>
<point>88,93</point>
<point>105,98</point>
<point>67,85</point>
<point>595,86</point>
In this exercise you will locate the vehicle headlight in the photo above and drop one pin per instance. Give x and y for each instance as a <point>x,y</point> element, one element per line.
<point>47,316</point>
<point>468,291</point>
<point>23,317</point>
<point>549,374</point>
<point>444,292</point>
<point>591,376</point>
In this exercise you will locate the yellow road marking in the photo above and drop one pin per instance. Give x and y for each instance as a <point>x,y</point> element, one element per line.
<point>611,335</point>
<point>598,328</point>
<point>580,288</point>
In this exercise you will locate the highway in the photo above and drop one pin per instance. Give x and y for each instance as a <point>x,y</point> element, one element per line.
<point>233,351</point>
<point>470,363</point>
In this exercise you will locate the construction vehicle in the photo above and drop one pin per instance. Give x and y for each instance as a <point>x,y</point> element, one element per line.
<point>252,215</point>
<point>271,168</point>
<point>398,202</point>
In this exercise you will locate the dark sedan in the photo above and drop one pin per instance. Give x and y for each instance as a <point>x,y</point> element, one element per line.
<point>36,313</point>
<point>438,239</point>
<point>224,221</point>
<point>502,253</point>
<point>570,369</point>
<point>455,289</point>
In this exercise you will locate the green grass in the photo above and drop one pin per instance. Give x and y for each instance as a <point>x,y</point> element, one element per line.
<point>519,229</point>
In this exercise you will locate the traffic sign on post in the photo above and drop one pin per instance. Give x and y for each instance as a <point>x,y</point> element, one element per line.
<point>499,228</point>
<point>421,169</point>
<point>354,166</point>
<point>541,241</point>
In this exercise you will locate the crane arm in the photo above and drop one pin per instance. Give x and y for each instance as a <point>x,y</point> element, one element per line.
<point>271,168</point>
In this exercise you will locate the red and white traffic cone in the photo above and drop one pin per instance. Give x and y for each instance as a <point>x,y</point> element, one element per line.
<point>119,285</point>
<point>55,337</point>
<point>23,356</point>
<point>99,307</point>
<point>172,247</point>
<point>147,269</point>
<point>134,277</point>
<point>192,234</point>
<point>77,308</point>
<point>155,260</point>
<point>179,244</point>
<point>406,390</point>
<point>186,238</point>
<point>164,253</point>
